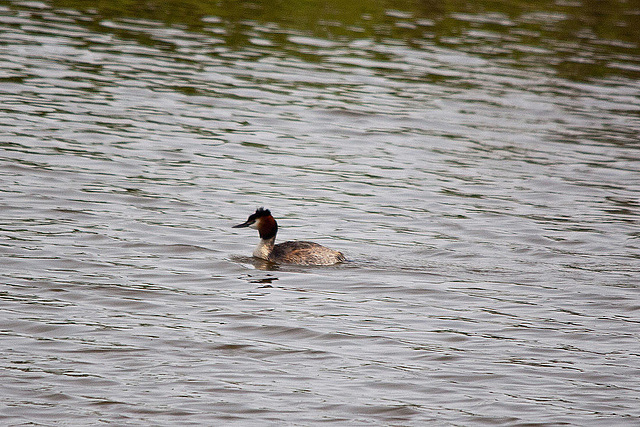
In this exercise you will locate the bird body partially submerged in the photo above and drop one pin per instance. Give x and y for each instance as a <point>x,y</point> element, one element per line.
<point>294,252</point>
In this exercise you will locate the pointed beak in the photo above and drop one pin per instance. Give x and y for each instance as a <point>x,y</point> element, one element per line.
<point>244,224</point>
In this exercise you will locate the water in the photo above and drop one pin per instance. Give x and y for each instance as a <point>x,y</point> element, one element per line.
<point>479,168</point>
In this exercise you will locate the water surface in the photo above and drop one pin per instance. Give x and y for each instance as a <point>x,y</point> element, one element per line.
<point>477,164</point>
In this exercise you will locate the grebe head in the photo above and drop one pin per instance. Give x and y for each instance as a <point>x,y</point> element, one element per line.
<point>263,222</point>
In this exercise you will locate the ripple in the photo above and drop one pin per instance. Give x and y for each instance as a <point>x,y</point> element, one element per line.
<point>478,168</point>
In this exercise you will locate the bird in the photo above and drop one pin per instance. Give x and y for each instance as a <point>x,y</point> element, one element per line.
<point>291,252</point>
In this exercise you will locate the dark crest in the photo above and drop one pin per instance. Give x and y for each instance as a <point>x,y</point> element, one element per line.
<point>260,212</point>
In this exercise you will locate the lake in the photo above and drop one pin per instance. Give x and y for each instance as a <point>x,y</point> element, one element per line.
<point>478,163</point>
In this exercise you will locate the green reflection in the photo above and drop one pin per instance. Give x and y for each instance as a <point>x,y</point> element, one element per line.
<point>578,39</point>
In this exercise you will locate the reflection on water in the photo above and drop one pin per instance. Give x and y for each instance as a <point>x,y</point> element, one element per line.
<point>476,162</point>
<point>578,40</point>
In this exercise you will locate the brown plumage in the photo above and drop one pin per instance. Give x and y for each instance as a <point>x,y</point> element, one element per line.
<point>296,252</point>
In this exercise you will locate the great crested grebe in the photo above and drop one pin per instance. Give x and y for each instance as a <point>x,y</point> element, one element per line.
<point>303,253</point>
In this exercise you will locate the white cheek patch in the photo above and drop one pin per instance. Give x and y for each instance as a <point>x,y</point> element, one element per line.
<point>254,225</point>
